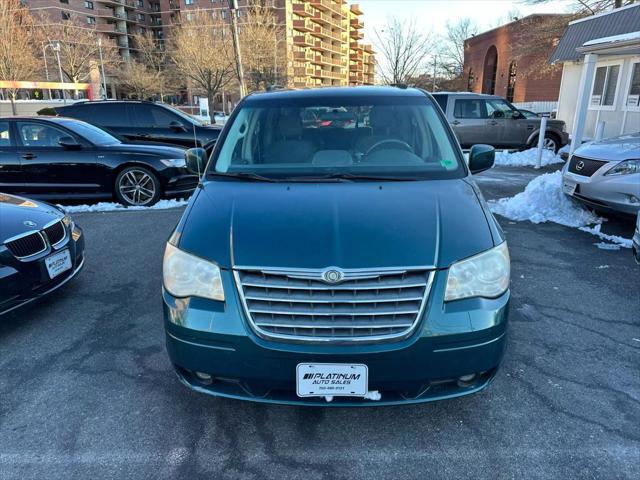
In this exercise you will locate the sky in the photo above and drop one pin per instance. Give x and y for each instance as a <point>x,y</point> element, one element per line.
<point>432,15</point>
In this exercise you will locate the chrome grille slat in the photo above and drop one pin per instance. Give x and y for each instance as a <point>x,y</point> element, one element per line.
<point>368,305</point>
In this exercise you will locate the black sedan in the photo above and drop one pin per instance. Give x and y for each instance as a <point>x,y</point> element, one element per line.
<point>41,249</point>
<point>61,158</point>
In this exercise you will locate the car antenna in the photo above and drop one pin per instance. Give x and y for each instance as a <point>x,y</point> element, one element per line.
<point>195,140</point>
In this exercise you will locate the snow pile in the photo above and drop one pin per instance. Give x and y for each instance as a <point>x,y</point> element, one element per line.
<point>112,207</point>
<point>543,201</point>
<point>526,158</point>
<point>617,241</point>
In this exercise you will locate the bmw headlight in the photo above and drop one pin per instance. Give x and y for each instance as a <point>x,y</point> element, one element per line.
<point>484,275</point>
<point>174,162</point>
<point>186,275</point>
<point>68,221</point>
<point>625,167</point>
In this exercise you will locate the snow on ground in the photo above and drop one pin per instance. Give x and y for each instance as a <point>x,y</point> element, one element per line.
<point>526,158</point>
<point>543,201</point>
<point>111,207</point>
<point>615,239</point>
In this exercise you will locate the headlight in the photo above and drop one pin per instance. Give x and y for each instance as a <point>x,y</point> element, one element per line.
<point>186,275</point>
<point>174,162</point>
<point>68,221</point>
<point>484,275</point>
<point>625,168</point>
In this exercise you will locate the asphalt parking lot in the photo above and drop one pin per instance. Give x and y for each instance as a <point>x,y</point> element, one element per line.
<point>87,391</point>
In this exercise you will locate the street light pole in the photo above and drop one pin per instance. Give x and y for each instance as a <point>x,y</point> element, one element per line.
<point>233,6</point>
<point>46,69</point>
<point>104,79</point>
<point>56,48</point>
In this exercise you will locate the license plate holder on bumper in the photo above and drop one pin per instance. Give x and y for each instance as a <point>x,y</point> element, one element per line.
<point>58,263</point>
<point>331,380</point>
<point>569,186</point>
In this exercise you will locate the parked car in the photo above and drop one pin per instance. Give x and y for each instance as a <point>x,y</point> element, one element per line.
<point>143,122</point>
<point>606,174</point>
<point>478,118</point>
<point>355,263</point>
<point>41,249</point>
<point>61,158</point>
<point>635,245</point>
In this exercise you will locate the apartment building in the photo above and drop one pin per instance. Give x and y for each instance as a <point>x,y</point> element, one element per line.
<point>322,39</point>
<point>117,20</point>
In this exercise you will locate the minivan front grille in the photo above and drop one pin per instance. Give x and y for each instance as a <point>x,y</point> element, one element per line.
<point>367,305</point>
<point>27,245</point>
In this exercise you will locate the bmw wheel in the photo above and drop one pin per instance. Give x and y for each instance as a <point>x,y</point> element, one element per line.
<point>137,186</point>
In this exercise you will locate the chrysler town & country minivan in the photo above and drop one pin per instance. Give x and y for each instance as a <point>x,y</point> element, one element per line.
<point>346,262</point>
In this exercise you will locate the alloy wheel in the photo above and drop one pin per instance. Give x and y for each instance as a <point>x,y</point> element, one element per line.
<point>137,187</point>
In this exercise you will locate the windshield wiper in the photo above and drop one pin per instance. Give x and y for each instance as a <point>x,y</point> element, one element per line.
<point>350,176</point>
<point>244,176</point>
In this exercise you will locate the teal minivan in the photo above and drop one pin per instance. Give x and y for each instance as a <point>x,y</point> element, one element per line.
<point>337,252</point>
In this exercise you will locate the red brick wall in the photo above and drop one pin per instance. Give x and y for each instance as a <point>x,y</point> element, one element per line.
<point>530,85</point>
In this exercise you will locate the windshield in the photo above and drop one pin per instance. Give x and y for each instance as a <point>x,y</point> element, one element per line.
<point>401,137</point>
<point>95,135</point>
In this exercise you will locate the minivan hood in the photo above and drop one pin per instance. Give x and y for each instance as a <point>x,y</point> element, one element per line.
<point>348,225</point>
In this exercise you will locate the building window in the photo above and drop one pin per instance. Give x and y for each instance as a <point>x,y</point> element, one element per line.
<point>66,2</point>
<point>188,2</point>
<point>605,86</point>
<point>141,3</point>
<point>471,80</point>
<point>489,71</point>
<point>633,95</point>
<point>91,20</point>
<point>65,15</point>
<point>141,17</point>
<point>511,85</point>
<point>88,5</point>
<point>223,13</point>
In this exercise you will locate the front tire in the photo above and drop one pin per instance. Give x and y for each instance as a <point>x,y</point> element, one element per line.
<point>137,187</point>
<point>551,143</point>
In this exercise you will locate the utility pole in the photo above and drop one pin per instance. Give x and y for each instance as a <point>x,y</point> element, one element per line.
<point>233,6</point>
<point>435,65</point>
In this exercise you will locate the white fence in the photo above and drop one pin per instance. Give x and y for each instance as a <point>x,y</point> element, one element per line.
<point>538,107</point>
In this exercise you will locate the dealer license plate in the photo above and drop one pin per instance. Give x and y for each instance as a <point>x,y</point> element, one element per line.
<point>331,379</point>
<point>569,187</point>
<point>58,263</point>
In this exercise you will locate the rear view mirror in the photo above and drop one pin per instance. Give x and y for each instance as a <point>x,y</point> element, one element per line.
<point>481,158</point>
<point>69,143</point>
<point>196,160</point>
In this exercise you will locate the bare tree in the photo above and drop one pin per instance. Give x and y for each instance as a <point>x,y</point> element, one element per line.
<point>79,50</point>
<point>591,7</point>
<point>17,53</point>
<point>264,62</point>
<point>154,58</point>
<point>452,47</point>
<point>402,49</point>
<point>202,52</point>
<point>138,79</point>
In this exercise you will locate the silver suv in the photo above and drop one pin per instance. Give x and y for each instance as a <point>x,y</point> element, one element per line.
<point>478,118</point>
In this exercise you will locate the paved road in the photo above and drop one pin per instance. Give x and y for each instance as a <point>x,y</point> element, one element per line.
<point>86,390</point>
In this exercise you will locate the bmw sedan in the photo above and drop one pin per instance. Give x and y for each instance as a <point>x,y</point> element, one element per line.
<point>62,158</point>
<point>605,175</point>
<point>41,249</point>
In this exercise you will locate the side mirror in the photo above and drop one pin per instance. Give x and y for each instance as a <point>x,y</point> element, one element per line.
<point>177,127</point>
<point>518,115</point>
<point>196,160</point>
<point>481,158</point>
<point>69,143</point>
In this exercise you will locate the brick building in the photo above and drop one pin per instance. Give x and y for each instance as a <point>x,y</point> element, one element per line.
<point>493,63</point>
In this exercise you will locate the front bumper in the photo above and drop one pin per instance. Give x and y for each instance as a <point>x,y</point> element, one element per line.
<point>452,340</point>
<point>179,182</point>
<point>607,192</point>
<point>24,282</point>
